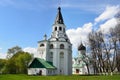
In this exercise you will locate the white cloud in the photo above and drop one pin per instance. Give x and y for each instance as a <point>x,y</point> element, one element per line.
<point>27,49</point>
<point>31,50</point>
<point>3,55</point>
<point>109,12</point>
<point>111,23</point>
<point>79,34</point>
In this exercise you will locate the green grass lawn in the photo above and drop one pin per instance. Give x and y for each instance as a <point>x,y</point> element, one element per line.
<point>73,77</point>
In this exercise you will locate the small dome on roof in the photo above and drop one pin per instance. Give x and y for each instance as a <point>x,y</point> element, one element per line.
<point>81,47</point>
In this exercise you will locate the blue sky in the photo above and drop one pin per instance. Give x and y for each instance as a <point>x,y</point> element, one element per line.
<point>24,22</point>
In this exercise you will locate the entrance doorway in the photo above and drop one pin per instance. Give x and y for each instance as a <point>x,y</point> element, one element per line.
<point>77,71</point>
<point>40,72</point>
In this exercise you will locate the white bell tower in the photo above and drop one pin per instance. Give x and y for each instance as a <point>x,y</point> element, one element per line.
<point>60,46</point>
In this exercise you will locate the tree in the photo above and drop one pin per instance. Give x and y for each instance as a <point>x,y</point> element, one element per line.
<point>22,60</point>
<point>13,50</point>
<point>96,40</point>
<point>2,64</point>
<point>17,61</point>
<point>116,42</point>
<point>10,67</point>
<point>86,59</point>
<point>105,50</point>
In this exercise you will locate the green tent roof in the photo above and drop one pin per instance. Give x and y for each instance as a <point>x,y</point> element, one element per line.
<point>41,63</point>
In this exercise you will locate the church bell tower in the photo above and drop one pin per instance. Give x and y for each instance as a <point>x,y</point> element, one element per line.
<point>58,29</point>
<point>60,46</point>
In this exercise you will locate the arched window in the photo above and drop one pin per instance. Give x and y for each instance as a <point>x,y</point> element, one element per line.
<point>69,47</point>
<point>61,55</point>
<point>55,28</point>
<point>63,29</point>
<point>60,28</point>
<point>51,56</point>
<point>61,46</point>
<point>41,45</point>
<point>61,62</point>
<point>51,46</point>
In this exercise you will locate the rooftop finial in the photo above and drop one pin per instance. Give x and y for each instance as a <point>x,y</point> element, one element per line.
<point>45,37</point>
<point>59,18</point>
<point>59,2</point>
<point>59,9</point>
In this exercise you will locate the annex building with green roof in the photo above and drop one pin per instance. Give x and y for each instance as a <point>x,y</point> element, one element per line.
<point>39,66</point>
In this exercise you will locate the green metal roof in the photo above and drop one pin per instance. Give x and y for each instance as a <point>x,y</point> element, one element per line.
<point>41,63</point>
<point>78,65</point>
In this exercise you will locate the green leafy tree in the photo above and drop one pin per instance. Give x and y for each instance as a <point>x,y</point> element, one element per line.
<point>10,67</point>
<point>17,61</point>
<point>22,59</point>
<point>2,64</point>
<point>13,51</point>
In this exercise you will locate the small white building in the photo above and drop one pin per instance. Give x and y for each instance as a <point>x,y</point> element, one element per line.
<point>41,67</point>
<point>56,52</point>
<point>81,62</point>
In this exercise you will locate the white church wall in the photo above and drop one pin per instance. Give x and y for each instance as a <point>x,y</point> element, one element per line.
<point>70,63</point>
<point>61,63</point>
<point>67,62</point>
<point>67,58</point>
<point>43,50</point>
<point>31,71</point>
<point>49,72</point>
<point>36,71</point>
